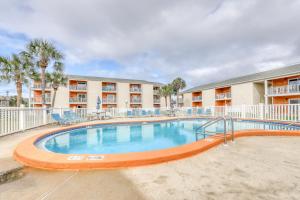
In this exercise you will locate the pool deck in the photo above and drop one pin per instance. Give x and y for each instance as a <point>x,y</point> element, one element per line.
<point>251,168</point>
<point>28,154</point>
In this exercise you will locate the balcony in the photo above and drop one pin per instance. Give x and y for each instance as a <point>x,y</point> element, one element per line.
<point>77,100</point>
<point>223,96</point>
<point>78,87</point>
<point>197,98</point>
<point>136,101</point>
<point>108,88</point>
<point>284,90</point>
<point>156,101</point>
<point>180,100</point>
<point>135,89</point>
<point>109,101</point>
<point>38,100</point>
<point>39,86</point>
<point>155,92</point>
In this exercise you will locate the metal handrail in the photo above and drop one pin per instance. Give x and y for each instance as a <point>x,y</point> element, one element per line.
<point>213,121</point>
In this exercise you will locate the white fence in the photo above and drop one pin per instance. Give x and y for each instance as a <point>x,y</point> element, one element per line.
<point>18,119</point>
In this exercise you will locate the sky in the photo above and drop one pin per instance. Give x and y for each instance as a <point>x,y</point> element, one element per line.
<point>201,41</point>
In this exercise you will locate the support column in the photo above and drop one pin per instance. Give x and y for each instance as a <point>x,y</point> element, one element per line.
<point>266,92</point>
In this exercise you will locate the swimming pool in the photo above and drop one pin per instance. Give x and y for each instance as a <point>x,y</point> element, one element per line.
<point>138,137</point>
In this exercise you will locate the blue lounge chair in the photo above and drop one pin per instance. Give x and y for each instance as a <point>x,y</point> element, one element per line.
<point>156,112</point>
<point>149,113</point>
<point>189,111</point>
<point>58,119</point>
<point>129,113</point>
<point>144,113</point>
<point>72,117</point>
<point>200,111</point>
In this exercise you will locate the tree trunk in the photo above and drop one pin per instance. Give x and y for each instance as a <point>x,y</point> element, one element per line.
<point>54,96</point>
<point>43,79</point>
<point>166,101</point>
<point>19,93</point>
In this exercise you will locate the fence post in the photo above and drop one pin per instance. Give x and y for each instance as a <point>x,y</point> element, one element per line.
<point>261,111</point>
<point>45,115</point>
<point>21,117</point>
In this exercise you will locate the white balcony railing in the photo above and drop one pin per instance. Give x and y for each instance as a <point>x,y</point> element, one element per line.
<point>77,100</point>
<point>109,101</point>
<point>155,92</point>
<point>156,101</point>
<point>136,100</point>
<point>78,87</point>
<point>39,100</point>
<point>109,88</point>
<point>39,86</point>
<point>197,98</point>
<point>284,90</point>
<point>135,89</point>
<point>223,96</point>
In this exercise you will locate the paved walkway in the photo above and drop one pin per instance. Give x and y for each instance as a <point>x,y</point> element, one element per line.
<point>252,168</point>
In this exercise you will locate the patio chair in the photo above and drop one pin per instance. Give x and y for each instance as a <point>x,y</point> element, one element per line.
<point>200,111</point>
<point>56,117</point>
<point>144,113</point>
<point>189,111</point>
<point>72,117</point>
<point>156,112</point>
<point>129,113</point>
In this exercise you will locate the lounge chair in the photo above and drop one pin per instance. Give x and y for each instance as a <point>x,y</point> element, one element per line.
<point>189,111</point>
<point>56,117</point>
<point>144,113</point>
<point>72,117</point>
<point>200,111</point>
<point>129,113</point>
<point>156,112</point>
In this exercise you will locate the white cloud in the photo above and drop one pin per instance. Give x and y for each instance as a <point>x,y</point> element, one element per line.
<point>202,41</point>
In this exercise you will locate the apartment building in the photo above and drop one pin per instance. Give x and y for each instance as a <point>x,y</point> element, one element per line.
<point>277,86</point>
<point>84,91</point>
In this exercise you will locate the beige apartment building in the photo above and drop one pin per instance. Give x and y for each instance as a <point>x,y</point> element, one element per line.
<point>277,86</point>
<point>83,92</point>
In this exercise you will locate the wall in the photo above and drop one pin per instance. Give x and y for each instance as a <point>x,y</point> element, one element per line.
<point>258,93</point>
<point>147,96</point>
<point>187,100</point>
<point>242,94</point>
<point>208,97</point>
<point>94,89</point>
<point>123,95</point>
<point>62,97</point>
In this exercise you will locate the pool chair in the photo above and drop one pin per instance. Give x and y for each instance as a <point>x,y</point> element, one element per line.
<point>136,113</point>
<point>156,112</point>
<point>208,111</point>
<point>149,113</point>
<point>129,113</point>
<point>189,111</point>
<point>72,117</point>
<point>144,113</point>
<point>200,111</point>
<point>60,120</point>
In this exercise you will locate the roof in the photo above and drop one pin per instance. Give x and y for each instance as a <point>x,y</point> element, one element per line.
<point>260,76</point>
<point>95,78</point>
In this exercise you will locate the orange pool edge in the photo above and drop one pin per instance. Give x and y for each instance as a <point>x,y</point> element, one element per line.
<point>29,155</point>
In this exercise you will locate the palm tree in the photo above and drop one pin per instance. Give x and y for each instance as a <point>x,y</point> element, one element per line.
<point>166,91</point>
<point>45,53</point>
<point>17,68</point>
<point>178,84</point>
<point>56,79</point>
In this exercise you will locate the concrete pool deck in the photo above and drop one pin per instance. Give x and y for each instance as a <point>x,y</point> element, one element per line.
<point>251,168</point>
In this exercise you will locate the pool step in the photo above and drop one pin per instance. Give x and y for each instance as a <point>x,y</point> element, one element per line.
<point>10,170</point>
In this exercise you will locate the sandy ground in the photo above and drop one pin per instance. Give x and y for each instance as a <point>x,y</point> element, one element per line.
<point>251,168</point>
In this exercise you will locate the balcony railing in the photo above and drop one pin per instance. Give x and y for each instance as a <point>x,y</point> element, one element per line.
<point>197,98</point>
<point>77,100</point>
<point>39,100</point>
<point>156,101</point>
<point>109,101</point>
<point>156,92</point>
<point>284,90</point>
<point>135,89</point>
<point>39,86</point>
<point>109,88</point>
<point>78,87</point>
<point>223,96</point>
<point>136,100</point>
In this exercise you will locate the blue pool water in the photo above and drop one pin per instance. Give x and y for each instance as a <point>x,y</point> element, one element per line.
<point>123,138</point>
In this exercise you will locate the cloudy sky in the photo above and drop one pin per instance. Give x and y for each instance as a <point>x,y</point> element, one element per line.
<point>199,40</point>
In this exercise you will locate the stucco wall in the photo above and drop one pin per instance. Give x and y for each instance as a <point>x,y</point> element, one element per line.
<point>147,96</point>
<point>123,95</point>
<point>208,97</point>
<point>187,100</point>
<point>62,97</point>
<point>94,89</point>
<point>242,94</point>
<point>258,93</point>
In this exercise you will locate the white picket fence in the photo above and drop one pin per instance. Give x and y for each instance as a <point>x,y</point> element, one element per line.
<point>18,119</point>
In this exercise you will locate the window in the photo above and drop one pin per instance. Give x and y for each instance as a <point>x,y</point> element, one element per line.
<point>294,101</point>
<point>294,81</point>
